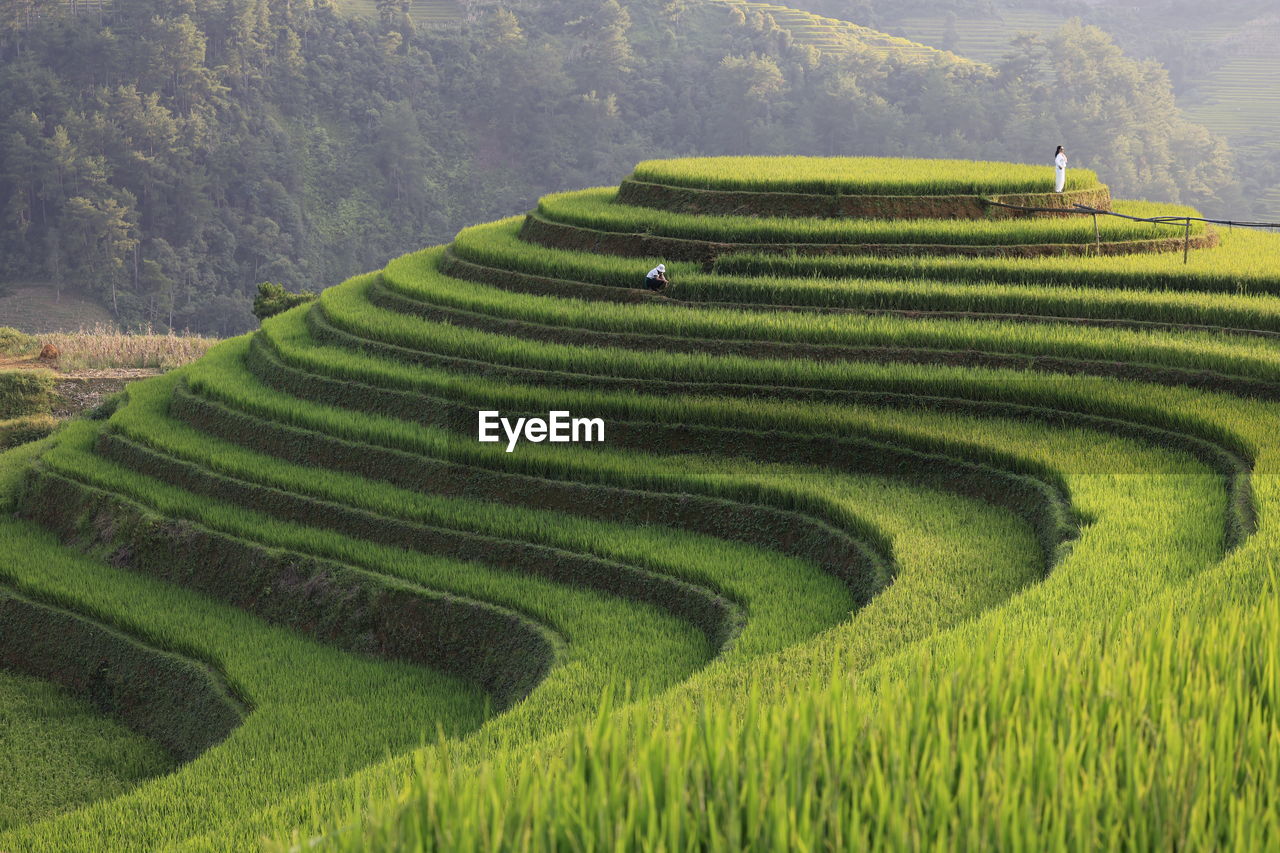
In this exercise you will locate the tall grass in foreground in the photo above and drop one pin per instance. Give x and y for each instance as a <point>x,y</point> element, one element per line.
<point>104,347</point>
<point>1162,735</point>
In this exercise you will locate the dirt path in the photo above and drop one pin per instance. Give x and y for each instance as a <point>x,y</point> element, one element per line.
<point>80,390</point>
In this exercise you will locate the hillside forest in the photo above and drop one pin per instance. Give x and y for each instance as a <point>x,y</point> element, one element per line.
<point>165,157</point>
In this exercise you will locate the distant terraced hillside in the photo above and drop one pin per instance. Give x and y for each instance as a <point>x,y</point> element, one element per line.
<point>423,13</point>
<point>984,39</point>
<point>1238,98</point>
<point>907,507</point>
<point>1241,97</point>
<point>834,35</point>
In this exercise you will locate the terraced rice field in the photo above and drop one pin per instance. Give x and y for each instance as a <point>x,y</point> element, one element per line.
<point>833,35</point>
<point>423,13</point>
<point>901,548</point>
<point>26,405</point>
<point>81,755</point>
<point>1241,99</point>
<point>983,39</point>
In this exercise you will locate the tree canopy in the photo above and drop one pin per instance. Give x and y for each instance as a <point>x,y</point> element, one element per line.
<point>168,156</point>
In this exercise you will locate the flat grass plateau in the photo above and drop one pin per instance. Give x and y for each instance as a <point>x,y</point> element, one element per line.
<point>915,550</point>
<point>857,175</point>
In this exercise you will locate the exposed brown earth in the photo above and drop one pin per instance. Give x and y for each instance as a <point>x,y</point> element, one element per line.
<point>80,390</point>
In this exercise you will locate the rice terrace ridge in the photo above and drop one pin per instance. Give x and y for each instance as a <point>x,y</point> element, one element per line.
<point>921,523</point>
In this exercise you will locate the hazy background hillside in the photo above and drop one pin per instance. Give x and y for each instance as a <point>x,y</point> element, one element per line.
<point>1223,58</point>
<point>160,158</point>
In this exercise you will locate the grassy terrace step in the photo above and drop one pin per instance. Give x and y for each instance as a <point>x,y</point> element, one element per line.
<point>363,307</point>
<point>1223,452</point>
<point>1075,306</point>
<point>350,707</point>
<point>58,752</point>
<point>183,705</point>
<point>358,611</point>
<point>16,431</point>
<point>1242,264</point>
<point>493,255</point>
<point>25,392</point>
<point>734,572</point>
<point>592,220</point>
<point>857,175</point>
<point>556,234</point>
<point>737,202</point>
<point>936,464</point>
<point>862,567</point>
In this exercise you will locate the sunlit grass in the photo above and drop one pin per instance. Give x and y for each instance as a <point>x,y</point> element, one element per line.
<point>859,175</point>
<point>1097,670</point>
<point>596,209</point>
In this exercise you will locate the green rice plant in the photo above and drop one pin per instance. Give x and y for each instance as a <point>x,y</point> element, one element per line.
<point>350,707</point>
<point>25,392</point>
<point>596,209</point>
<point>645,651</point>
<point>497,247</point>
<point>239,386</point>
<point>1244,263</point>
<point>946,756</point>
<point>57,753</point>
<point>975,701</point>
<point>416,275</point>
<point>858,175</point>
<point>15,431</point>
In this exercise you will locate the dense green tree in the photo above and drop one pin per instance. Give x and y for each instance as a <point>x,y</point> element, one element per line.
<point>167,156</point>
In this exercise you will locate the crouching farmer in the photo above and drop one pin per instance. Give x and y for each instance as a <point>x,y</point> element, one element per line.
<point>657,278</point>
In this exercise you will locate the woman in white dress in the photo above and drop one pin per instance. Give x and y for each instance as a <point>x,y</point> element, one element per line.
<point>1060,169</point>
